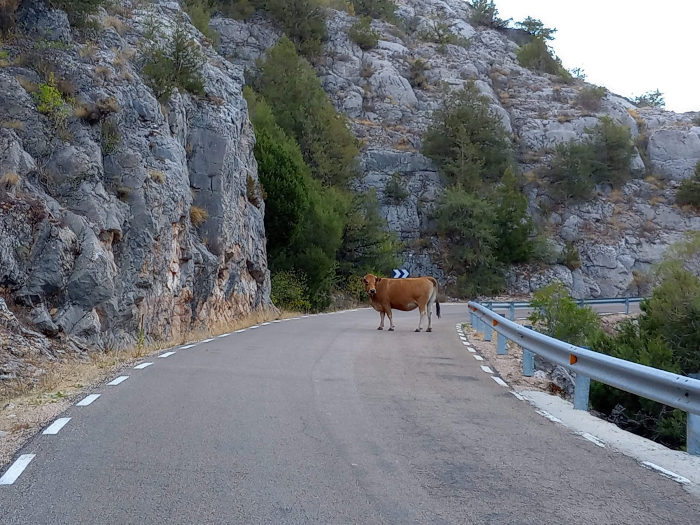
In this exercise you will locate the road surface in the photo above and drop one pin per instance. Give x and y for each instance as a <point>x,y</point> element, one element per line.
<point>324,419</point>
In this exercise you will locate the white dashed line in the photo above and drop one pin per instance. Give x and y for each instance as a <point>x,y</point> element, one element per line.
<point>549,416</point>
<point>16,469</point>
<point>499,381</point>
<point>223,335</point>
<point>672,475</point>
<point>142,366</point>
<point>208,340</point>
<point>471,349</point>
<point>166,354</point>
<point>118,380</point>
<point>591,438</point>
<point>518,396</point>
<point>253,327</point>
<point>478,358</point>
<point>239,331</point>
<point>57,425</point>
<point>485,368</point>
<point>465,343</point>
<point>188,346</point>
<point>86,401</point>
<point>265,324</point>
<point>277,321</point>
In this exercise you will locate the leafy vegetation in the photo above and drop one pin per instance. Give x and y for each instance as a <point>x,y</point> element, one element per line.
<point>303,21</point>
<point>650,99</point>
<point>289,291</point>
<point>536,28</point>
<point>486,14</point>
<point>384,9</point>
<point>175,63</point>
<point>49,101</point>
<point>7,15</point>
<point>200,12</point>
<point>78,10</point>
<point>604,158</point>
<point>363,35</point>
<point>289,85</point>
<point>539,56</point>
<point>689,190</point>
<point>590,97</point>
<point>394,191</point>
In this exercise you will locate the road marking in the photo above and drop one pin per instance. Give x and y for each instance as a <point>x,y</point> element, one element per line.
<point>166,354</point>
<point>254,327</point>
<point>478,357</point>
<point>16,469</point>
<point>265,324</point>
<point>499,381</point>
<point>462,338</point>
<point>86,401</point>
<point>518,396</point>
<point>591,438</point>
<point>188,346</point>
<point>239,331</point>
<point>223,335</point>
<point>116,381</point>
<point>471,349</point>
<point>277,321</point>
<point>142,366</point>
<point>672,475</point>
<point>548,416</point>
<point>486,369</point>
<point>208,340</point>
<point>56,426</point>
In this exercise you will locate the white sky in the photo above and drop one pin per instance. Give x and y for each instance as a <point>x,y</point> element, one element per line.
<point>628,46</point>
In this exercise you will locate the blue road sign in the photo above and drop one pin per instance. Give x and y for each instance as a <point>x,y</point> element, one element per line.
<point>400,274</point>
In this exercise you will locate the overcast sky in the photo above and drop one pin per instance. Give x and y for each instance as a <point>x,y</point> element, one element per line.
<point>628,46</point>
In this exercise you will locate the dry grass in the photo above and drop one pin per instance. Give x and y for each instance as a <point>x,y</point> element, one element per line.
<point>157,176</point>
<point>9,180</point>
<point>28,85</point>
<point>198,215</point>
<point>403,144</point>
<point>12,124</point>
<point>116,24</point>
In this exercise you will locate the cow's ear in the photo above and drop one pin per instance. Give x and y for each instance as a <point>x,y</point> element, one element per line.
<point>377,279</point>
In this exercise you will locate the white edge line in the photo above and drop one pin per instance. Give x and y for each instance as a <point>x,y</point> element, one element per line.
<point>471,350</point>
<point>117,380</point>
<point>208,340</point>
<point>223,335</point>
<point>479,358</point>
<point>57,425</point>
<point>142,366</point>
<point>518,396</point>
<point>264,324</point>
<point>166,354</point>
<point>87,400</point>
<point>16,469</point>
<point>465,343</point>
<point>240,331</point>
<point>188,346</point>
<point>486,368</point>
<point>548,416</point>
<point>499,381</point>
<point>593,439</point>
<point>253,327</point>
<point>675,477</point>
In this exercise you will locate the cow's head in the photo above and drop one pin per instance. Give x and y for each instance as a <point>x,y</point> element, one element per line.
<point>370,281</point>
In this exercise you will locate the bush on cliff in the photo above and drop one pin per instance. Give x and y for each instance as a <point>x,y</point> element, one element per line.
<point>689,190</point>
<point>77,10</point>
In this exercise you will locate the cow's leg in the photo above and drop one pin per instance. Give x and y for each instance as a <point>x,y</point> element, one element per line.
<point>430,317</point>
<point>391,321</point>
<point>381,322</point>
<point>420,321</point>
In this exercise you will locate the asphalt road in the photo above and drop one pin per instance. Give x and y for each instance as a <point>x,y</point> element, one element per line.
<point>327,420</point>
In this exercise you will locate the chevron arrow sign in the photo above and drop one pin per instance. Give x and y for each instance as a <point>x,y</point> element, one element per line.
<point>400,274</point>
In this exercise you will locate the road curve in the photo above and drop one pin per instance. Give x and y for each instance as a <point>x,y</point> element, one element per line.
<point>325,419</point>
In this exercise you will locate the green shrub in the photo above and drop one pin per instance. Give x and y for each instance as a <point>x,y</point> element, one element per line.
<point>384,9</point>
<point>513,226</point>
<point>467,141</point>
<point>440,33</point>
<point>78,10</point>
<point>200,12</point>
<point>49,101</point>
<point>486,14</point>
<point>301,107</point>
<point>303,21</point>
<point>590,97</point>
<point>557,315</point>
<point>177,63</point>
<point>570,257</point>
<point>650,99</point>
<point>538,56</point>
<point>363,35</point>
<point>416,76</point>
<point>394,191</point>
<point>689,190</point>
<point>289,291</point>
<point>110,136</point>
<point>536,28</point>
<point>7,15</point>
<point>238,9</point>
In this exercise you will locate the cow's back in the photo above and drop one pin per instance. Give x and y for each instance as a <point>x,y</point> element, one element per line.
<point>406,294</point>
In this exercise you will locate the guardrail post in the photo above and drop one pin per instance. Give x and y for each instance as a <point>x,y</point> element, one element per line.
<point>528,363</point>
<point>488,331</point>
<point>693,429</point>
<point>472,320</point>
<point>512,311</point>
<point>582,387</point>
<point>627,305</point>
<point>502,340</point>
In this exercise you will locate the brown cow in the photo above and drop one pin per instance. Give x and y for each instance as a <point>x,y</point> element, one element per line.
<point>403,294</point>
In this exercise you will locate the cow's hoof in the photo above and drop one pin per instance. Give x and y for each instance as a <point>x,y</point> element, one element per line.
<point>429,330</point>
<point>380,328</point>
<point>391,329</point>
<point>418,329</point>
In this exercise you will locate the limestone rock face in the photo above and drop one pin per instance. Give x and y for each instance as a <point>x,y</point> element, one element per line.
<point>97,244</point>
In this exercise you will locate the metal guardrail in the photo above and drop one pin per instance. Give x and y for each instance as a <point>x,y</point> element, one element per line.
<point>665,387</point>
<point>512,305</point>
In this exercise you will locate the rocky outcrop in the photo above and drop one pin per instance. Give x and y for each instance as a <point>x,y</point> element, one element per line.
<point>389,93</point>
<point>97,244</point>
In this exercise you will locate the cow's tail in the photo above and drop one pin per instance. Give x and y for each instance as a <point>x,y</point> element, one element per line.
<point>435,290</point>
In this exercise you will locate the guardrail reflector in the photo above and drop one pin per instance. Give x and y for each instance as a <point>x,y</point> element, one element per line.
<point>495,322</point>
<point>572,359</point>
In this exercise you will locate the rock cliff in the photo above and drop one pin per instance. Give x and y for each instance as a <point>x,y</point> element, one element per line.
<point>390,91</point>
<point>122,219</point>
